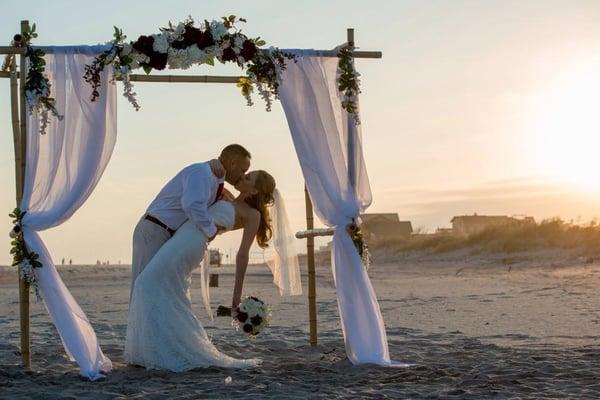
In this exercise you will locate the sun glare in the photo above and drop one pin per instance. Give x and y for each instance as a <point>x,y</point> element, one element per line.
<point>568,129</point>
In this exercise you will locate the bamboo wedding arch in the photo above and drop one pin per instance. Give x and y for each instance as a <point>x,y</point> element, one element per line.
<point>17,77</point>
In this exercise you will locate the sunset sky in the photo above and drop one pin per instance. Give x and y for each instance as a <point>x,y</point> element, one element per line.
<point>476,106</point>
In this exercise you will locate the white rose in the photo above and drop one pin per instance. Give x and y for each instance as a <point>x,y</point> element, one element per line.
<point>195,54</point>
<point>217,29</point>
<point>161,44</point>
<point>127,47</point>
<point>180,29</point>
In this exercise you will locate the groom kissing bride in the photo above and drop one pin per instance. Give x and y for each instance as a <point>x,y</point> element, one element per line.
<point>169,242</point>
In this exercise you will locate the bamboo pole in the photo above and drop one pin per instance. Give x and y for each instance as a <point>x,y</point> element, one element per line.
<point>20,171</point>
<point>310,259</point>
<point>351,125</point>
<point>183,78</point>
<point>318,53</point>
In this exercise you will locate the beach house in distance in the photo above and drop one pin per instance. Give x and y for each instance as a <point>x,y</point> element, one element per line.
<point>470,224</point>
<point>385,226</point>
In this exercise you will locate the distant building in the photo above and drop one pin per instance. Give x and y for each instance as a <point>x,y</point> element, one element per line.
<point>214,257</point>
<point>385,226</point>
<point>470,224</point>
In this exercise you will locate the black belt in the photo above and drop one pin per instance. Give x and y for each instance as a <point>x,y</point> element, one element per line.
<point>159,223</point>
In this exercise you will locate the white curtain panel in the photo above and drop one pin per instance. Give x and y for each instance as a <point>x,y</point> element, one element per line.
<point>320,129</point>
<point>62,169</point>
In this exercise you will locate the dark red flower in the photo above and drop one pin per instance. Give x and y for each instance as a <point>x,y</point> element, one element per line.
<point>192,35</point>
<point>247,328</point>
<point>256,320</point>
<point>242,316</point>
<point>144,45</point>
<point>158,61</point>
<point>179,44</point>
<point>248,50</point>
<point>228,55</point>
<point>206,40</point>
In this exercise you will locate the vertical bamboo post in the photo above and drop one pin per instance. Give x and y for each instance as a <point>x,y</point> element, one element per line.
<point>20,174</point>
<point>351,123</point>
<point>310,259</point>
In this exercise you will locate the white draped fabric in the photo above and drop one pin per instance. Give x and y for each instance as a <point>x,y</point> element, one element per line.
<point>320,129</point>
<point>62,169</point>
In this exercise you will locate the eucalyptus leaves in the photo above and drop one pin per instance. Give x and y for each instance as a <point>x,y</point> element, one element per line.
<point>25,260</point>
<point>348,82</point>
<point>37,86</point>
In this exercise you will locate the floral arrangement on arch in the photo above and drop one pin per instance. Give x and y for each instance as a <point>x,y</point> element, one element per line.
<point>186,44</point>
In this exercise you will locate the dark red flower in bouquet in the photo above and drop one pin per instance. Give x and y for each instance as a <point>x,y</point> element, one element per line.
<point>256,320</point>
<point>144,45</point>
<point>228,55</point>
<point>179,44</point>
<point>248,50</point>
<point>247,328</point>
<point>242,316</point>
<point>192,35</point>
<point>205,40</point>
<point>158,60</point>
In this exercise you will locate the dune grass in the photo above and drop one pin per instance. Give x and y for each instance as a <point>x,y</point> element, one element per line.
<point>551,233</point>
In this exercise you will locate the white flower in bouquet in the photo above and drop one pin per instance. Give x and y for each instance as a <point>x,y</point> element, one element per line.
<point>238,43</point>
<point>137,59</point>
<point>251,316</point>
<point>126,50</point>
<point>178,58</point>
<point>217,30</point>
<point>196,55</point>
<point>180,29</point>
<point>161,44</point>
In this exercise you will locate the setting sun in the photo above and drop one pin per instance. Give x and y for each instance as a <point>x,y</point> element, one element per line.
<point>567,123</point>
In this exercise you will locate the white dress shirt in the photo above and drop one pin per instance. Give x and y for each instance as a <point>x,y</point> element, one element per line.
<point>188,196</point>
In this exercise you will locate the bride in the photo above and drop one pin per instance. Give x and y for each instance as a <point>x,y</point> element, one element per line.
<point>162,331</point>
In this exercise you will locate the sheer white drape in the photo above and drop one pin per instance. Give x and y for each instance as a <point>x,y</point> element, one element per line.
<point>320,129</point>
<point>62,169</point>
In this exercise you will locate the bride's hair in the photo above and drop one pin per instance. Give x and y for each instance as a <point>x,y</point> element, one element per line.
<point>265,186</point>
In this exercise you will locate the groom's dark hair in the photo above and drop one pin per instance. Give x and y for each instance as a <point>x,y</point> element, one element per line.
<point>234,151</point>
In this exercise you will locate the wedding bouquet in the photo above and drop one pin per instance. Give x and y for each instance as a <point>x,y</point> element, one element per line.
<point>251,316</point>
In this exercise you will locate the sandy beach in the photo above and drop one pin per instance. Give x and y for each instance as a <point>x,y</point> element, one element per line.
<point>474,326</point>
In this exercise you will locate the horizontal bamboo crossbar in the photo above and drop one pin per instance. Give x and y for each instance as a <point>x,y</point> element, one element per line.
<point>183,78</point>
<point>317,53</point>
<point>315,232</point>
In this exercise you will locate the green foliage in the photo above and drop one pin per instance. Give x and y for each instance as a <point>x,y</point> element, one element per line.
<point>18,249</point>
<point>348,83</point>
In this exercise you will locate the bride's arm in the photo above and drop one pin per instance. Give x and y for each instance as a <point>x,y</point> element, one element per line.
<point>241,260</point>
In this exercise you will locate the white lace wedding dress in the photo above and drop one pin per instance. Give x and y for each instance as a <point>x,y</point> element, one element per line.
<point>162,331</point>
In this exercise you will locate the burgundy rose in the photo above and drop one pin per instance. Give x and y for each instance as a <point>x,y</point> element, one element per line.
<point>248,50</point>
<point>18,38</point>
<point>158,61</point>
<point>205,40</point>
<point>256,320</point>
<point>242,316</point>
<point>192,35</point>
<point>228,55</point>
<point>247,328</point>
<point>144,45</point>
<point>179,44</point>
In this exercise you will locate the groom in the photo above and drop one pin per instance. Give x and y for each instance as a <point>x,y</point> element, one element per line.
<point>187,196</point>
